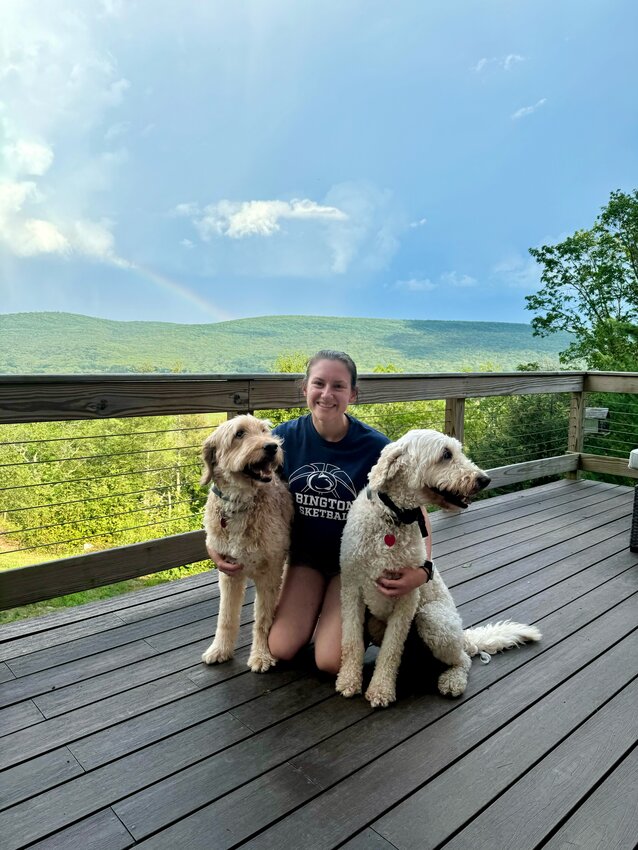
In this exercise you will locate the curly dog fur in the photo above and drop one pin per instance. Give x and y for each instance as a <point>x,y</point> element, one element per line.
<point>423,467</point>
<point>247,520</point>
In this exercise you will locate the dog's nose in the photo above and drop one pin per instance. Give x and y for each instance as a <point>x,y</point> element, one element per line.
<point>271,449</point>
<point>483,481</point>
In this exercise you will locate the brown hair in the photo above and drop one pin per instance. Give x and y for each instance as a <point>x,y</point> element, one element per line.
<point>329,354</point>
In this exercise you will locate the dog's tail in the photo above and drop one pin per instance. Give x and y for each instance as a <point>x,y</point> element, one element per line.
<point>492,638</point>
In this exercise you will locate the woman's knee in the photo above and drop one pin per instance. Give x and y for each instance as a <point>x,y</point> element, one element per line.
<point>327,660</point>
<point>283,643</point>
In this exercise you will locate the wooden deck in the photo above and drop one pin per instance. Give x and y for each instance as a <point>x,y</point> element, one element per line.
<point>115,735</point>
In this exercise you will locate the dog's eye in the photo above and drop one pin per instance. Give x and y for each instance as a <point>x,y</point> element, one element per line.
<point>447,455</point>
<point>239,434</point>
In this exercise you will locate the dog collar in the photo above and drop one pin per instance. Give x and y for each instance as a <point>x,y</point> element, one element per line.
<point>219,493</point>
<point>229,511</point>
<point>402,516</point>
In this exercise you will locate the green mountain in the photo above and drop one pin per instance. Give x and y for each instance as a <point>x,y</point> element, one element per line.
<point>64,343</point>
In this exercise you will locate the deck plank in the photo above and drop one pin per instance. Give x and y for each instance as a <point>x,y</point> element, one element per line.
<point>355,744</point>
<point>102,831</point>
<point>608,818</point>
<point>127,739</point>
<point>532,808</point>
<point>494,765</point>
<point>39,774</point>
<point>140,598</point>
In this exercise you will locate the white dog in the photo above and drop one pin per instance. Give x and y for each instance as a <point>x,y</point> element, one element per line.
<point>247,520</point>
<point>384,532</point>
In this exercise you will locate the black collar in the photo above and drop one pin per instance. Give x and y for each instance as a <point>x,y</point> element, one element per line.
<point>402,516</point>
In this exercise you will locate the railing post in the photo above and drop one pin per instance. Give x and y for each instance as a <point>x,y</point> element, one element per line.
<point>576,427</point>
<point>455,417</point>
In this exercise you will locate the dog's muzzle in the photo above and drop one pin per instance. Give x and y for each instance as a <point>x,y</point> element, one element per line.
<point>462,500</point>
<point>262,470</point>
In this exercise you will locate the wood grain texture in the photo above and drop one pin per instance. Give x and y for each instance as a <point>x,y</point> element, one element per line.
<point>81,572</point>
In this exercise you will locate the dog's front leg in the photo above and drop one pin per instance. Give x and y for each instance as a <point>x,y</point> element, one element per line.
<point>382,689</point>
<point>267,589</point>
<point>352,644</point>
<point>231,591</point>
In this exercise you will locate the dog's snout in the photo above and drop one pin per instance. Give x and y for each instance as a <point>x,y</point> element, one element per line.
<point>482,481</point>
<point>271,449</point>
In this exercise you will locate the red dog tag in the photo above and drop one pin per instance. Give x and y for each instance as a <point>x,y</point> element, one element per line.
<point>389,540</point>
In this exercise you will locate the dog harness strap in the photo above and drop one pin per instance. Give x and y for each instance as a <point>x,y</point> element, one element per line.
<point>403,516</point>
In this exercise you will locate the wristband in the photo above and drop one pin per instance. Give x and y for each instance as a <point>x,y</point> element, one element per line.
<point>428,568</point>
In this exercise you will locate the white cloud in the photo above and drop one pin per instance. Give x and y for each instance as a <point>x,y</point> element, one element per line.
<point>38,237</point>
<point>518,272</point>
<point>419,223</point>
<point>354,225</point>
<point>511,60</point>
<point>415,285</point>
<point>186,243</point>
<point>527,110</point>
<point>56,82</point>
<point>506,63</point>
<point>25,157</point>
<point>456,279</point>
<point>256,218</point>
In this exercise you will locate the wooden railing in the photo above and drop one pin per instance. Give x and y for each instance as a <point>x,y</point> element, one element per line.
<point>55,398</point>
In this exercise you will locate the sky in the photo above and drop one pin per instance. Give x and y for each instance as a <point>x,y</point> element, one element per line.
<point>191,161</point>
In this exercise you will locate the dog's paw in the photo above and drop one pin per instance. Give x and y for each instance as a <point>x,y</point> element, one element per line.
<point>216,655</point>
<point>348,686</point>
<point>452,682</point>
<point>259,662</point>
<point>379,696</point>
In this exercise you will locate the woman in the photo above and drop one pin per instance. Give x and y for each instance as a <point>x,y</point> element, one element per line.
<point>328,455</point>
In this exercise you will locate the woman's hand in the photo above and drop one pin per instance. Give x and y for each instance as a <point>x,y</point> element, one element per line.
<point>224,563</point>
<point>399,582</point>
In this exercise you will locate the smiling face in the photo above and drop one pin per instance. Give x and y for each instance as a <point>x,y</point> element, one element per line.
<point>329,391</point>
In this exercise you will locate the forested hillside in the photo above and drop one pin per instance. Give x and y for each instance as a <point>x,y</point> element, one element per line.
<point>64,343</point>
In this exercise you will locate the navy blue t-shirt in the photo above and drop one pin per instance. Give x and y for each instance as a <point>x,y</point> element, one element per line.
<point>324,479</point>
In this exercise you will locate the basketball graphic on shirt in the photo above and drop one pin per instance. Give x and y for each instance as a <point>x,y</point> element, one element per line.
<point>323,479</point>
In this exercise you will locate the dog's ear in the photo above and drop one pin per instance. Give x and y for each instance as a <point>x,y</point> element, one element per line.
<point>208,456</point>
<point>387,466</point>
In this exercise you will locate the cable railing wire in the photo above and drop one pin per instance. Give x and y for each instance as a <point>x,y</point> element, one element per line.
<point>100,477</point>
<point>76,438</point>
<point>92,519</point>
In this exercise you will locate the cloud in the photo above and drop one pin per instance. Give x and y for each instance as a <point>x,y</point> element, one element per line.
<point>511,60</point>
<point>56,83</point>
<point>527,110</point>
<point>518,272</point>
<point>415,285</point>
<point>456,279</point>
<point>505,63</point>
<point>237,220</point>
<point>355,227</point>
<point>419,223</point>
<point>27,157</point>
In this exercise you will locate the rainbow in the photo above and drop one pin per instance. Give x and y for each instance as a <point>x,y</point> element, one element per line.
<point>175,288</point>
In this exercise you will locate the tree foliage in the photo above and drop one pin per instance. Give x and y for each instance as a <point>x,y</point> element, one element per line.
<point>590,289</point>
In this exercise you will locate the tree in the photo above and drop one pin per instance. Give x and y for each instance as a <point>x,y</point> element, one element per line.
<point>590,289</point>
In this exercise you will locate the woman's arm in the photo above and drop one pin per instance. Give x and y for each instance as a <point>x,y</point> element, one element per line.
<point>406,580</point>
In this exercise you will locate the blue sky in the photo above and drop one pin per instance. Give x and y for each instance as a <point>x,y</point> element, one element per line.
<point>199,161</point>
